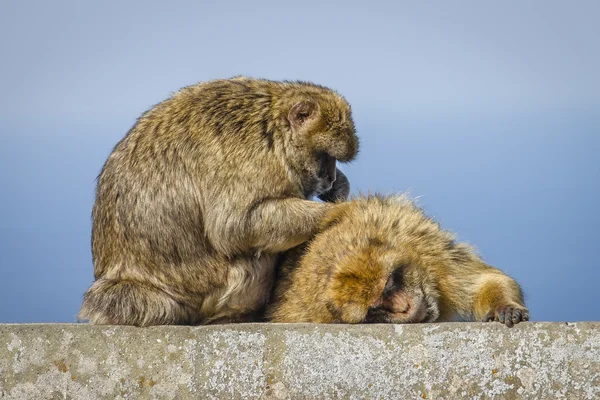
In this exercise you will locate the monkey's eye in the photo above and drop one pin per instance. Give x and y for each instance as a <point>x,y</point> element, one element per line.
<point>395,281</point>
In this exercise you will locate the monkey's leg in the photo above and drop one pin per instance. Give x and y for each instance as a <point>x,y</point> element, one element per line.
<point>498,297</point>
<point>113,302</point>
<point>340,189</point>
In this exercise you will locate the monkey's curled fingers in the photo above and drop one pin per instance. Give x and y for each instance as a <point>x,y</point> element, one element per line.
<point>339,191</point>
<point>508,315</point>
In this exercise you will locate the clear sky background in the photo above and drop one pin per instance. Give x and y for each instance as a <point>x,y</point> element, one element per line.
<point>489,112</point>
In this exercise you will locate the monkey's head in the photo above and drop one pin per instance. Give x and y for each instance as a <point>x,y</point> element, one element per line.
<point>374,286</point>
<point>322,132</point>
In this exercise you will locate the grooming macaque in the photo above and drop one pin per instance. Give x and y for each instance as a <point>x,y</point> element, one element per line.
<point>197,200</point>
<point>381,260</point>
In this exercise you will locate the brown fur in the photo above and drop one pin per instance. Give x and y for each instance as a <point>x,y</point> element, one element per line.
<point>194,204</point>
<point>380,259</point>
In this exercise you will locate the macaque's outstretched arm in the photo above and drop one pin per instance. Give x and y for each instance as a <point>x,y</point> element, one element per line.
<point>491,295</point>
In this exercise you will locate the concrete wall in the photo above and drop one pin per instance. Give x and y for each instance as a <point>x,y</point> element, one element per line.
<point>429,361</point>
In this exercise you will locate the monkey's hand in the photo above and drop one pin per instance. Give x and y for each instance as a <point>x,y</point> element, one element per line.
<point>339,191</point>
<point>508,315</point>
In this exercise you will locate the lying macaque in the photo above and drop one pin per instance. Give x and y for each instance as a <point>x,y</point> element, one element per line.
<point>381,260</point>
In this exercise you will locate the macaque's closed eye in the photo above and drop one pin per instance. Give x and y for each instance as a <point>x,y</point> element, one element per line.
<point>395,282</point>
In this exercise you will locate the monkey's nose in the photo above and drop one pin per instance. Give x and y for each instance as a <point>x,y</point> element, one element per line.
<point>404,308</point>
<point>397,303</point>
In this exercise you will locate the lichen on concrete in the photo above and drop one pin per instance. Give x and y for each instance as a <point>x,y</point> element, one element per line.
<point>279,361</point>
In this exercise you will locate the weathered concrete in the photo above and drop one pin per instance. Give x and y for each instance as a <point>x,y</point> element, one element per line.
<point>434,361</point>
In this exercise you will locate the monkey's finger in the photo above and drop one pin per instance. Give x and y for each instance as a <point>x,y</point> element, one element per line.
<point>508,316</point>
<point>525,315</point>
<point>501,316</point>
<point>516,316</point>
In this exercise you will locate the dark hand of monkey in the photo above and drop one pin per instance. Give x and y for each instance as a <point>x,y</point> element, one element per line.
<point>339,191</point>
<point>508,315</point>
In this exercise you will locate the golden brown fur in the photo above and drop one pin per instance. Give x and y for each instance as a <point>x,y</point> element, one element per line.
<point>194,204</point>
<point>380,259</point>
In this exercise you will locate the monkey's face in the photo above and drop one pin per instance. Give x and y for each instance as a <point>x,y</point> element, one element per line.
<point>326,174</point>
<point>404,299</point>
<point>370,289</point>
<point>323,131</point>
<point>333,132</point>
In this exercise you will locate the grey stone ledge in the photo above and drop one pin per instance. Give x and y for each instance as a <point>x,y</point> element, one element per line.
<point>276,361</point>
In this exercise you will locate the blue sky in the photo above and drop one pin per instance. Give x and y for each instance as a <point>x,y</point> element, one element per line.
<point>490,113</point>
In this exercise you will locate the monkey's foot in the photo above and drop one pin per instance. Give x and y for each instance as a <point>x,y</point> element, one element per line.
<point>508,315</point>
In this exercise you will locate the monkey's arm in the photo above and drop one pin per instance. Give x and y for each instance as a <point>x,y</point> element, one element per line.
<point>340,189</point>
<point>276,225</point>
<point>271,225</point>
<point>498,297</point>
<point>488,294</point>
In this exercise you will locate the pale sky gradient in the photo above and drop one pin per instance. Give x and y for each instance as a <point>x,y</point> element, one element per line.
<point>490,113</point>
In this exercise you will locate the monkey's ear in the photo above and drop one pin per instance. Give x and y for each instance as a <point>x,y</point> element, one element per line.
<point>302,112</point>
